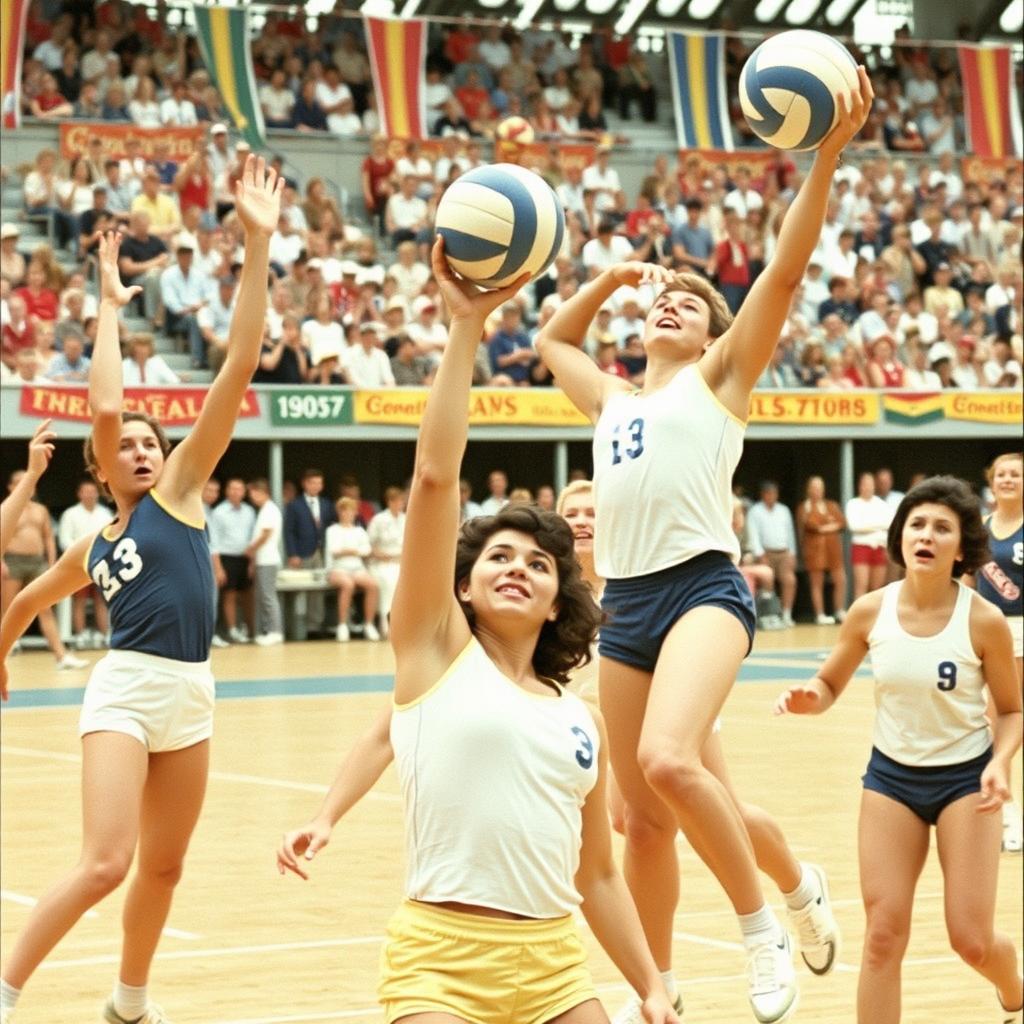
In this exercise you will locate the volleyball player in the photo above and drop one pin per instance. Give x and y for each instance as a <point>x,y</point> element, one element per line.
<point>800,884</point>
<point>501,767</point>
<point>1001,581</point>
<point>40,451</point>
<point>935,645</point>
<point>681,616</point>
<point>148,709</point>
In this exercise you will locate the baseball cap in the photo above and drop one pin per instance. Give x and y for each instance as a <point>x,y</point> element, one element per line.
<point>315,264</point>
<point>372,327</point>
<point>9,231</point>
<point>423,303</point>
<point>185,243</point>
<point>943,266</point>
<point>366,275</point>
<point>350,267</point>
<point>218,129</point>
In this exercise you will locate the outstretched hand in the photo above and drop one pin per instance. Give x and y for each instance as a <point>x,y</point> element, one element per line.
<point>465,301</point>
<point>851,118</point>
<point>40,449</point>
<point>111,287</point>
<point>258,197</point>
<point>798,700</point>
<point>303,842</point>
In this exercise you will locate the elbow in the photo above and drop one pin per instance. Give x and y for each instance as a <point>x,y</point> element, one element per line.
<point>104,411</point>
<point>431,476</point>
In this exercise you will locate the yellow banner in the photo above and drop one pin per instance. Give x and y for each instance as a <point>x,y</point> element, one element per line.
<point>985,408</point>
<point>825,408</point>
<point>542,407</point>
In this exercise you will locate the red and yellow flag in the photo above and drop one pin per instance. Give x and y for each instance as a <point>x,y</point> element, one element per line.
<point>12,45</point>
<point>398,51</point>
<point>990,101</point>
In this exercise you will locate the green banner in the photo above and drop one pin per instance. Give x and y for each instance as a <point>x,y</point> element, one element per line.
<point>303,407</point>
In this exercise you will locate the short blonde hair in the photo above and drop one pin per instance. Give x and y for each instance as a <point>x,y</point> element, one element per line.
<point>571,490</point>
<point>346,503</point>
<point>991,471</point>
<point>721,316</point>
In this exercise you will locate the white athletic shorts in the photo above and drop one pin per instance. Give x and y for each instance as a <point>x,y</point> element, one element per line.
<point>165,704</point>
<point>1016,623</point>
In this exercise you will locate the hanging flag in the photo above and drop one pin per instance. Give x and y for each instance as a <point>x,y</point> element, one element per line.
<point>697,67</point>
<point>398,52</point>
<point>990,101</point>
<point>224,43</point>
<point>12,46</point>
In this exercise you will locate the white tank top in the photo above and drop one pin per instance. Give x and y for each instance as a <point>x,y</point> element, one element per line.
<point>663,468</point>
<point>494,779</point>
<point>929,691</point>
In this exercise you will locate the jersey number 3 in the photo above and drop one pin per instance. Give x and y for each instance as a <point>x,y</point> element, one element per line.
<point>130,566</point>
<point>635,448</point>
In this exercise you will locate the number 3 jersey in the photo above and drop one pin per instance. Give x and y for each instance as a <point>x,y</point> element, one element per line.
<point>157,580</point>
<point>929,690</point>
<point>663,467</point>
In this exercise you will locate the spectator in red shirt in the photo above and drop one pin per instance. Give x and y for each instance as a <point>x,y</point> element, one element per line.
<point>460,44</point>
<point>19,332</point>
<point>475,99</point>
<point>731,263</point>
<point>40,301</point>
<point>608,360</point>
<point>378,179</point>
<point>49,104</point>
<point>194,182</point>
<point>636,220</point>
<point>884,369</point>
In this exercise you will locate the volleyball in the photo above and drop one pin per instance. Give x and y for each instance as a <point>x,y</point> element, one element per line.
<point>499,222</point>
<point>515,129</point>
<point>789,88</point>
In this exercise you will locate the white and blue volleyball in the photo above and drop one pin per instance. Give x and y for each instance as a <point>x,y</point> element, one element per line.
<point>500,222</point>
<point>789,88</point>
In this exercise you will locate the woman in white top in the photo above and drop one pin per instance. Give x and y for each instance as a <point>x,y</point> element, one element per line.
<point>867,518</point>
<point>682,618</point>
<point>347,544</point>
<point>142,368</point>
<point>323,336</point>
<point>386,532</point>
<point>935,646</point>
<point>501,767</point>
<point>143,108</point>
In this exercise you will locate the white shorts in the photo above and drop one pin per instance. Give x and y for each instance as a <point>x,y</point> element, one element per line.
<point>165,704</point>
<point>1016,623</point>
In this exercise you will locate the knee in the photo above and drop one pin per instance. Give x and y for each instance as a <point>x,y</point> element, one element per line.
<point>971,945</point>
<point>166,874</point>
<point>644,830</point>
<point>668,772</point>
<point>103,874</point>
<point>885,939</point>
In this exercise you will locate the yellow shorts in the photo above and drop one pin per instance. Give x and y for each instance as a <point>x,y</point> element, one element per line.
<point>483,970</point>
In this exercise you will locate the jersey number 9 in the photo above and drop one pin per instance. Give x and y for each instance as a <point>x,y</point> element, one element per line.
<point>947,676</point>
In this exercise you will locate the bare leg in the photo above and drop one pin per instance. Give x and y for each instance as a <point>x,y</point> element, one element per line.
<point>343,581</point>
<point>861,574</point>
<point>787,581</point>
<point>893,844</point>
<point>838,589</point>
<point>431,1018</point>
<point>78,613</point>
<point>113,776</point>
<point>229,606</point>
<point>8,591</point>
<point>589,1012</point>
<point>171,803</point>
<point>877,577</point>
<point>816,578</point>
<point>48,627</point>
<point>370,594</point>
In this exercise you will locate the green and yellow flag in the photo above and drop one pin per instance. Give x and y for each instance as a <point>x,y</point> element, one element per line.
<point>224,42</point>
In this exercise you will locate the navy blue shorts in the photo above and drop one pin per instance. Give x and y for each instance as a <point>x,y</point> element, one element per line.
<point>927,791</point>
<point>642,609</point>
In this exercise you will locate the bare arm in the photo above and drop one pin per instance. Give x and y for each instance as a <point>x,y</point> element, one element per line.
<point>40,450</point>
<point>190,465</point>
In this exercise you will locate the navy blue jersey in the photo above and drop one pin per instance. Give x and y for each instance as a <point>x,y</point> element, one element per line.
<point>1001,581</point>
<point>157,580</point>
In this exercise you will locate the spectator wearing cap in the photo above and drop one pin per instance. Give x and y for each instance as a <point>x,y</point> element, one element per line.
<point>692,244</point>
<point>141,367</point>
<point>162,210</point>
<point>365,363</point>
<point>184,292</point>
<point>284,359</point>
<point>214,320</point>
<point>942,296</point>
<point>426,331</point>
<point>12,263</point>
<point>511,352</point>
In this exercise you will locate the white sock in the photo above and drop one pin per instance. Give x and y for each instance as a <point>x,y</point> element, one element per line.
<point>8,996</point>
<point>130,1002</point>
<point>759,927</point>
<point>806,891</point>
<point>669,978</point>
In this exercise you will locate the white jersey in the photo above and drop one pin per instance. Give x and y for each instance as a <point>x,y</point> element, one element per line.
<point>663,468</point>
<point>494,779</point>
<point>929,690</point>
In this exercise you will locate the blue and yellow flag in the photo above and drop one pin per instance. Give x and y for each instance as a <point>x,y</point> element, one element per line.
<point>697,65</point>
<point>224,42</point>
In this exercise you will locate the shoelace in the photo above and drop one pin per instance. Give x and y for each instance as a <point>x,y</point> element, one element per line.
<point>805,918</point>
<point>762,968</point>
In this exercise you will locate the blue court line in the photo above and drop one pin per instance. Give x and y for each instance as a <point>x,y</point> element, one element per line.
<point>315,686</point>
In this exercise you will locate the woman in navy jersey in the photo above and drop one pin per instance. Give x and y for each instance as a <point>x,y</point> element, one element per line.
<point>1001,581</point>
<point>148,709</point>
<point>935,646</point>
<point>681,618</point>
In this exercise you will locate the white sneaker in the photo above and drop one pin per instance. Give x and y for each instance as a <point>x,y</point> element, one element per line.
<point>153,1015</point>
<point>824,620</point>
<point>816,928</point>
<point>237,635</point>
<point>370,632</point>
<point>81,641</point>
<point>269,639</point>
<point>218,641</point>
<point>341,634</point>
<point>631,1012</point>
<point>840,615</point>
<point>1013,841</point>
<point>6,1016</point>
<point>772,981</point>
<point>69,661</point>
<point>787,620</point>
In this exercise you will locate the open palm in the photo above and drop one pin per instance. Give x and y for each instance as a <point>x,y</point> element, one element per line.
<point>258,196</point>
<point>111,287</point>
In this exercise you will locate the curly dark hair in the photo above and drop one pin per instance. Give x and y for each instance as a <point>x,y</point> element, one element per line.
<point>565,643</point>
<point>958,497</point>
<point>126,417</point>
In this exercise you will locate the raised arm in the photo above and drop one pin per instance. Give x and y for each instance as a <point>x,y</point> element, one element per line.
<point>40,450</point>
<point>427,625</point>
<point>106,384</point>
<point>560,341</point>
<point>732,365</point>
<point>258,204</point>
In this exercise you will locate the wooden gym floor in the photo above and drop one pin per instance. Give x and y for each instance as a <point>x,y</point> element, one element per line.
<point>245,946</point>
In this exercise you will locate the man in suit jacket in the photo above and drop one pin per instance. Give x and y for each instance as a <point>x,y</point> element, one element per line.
<point>306,518</point>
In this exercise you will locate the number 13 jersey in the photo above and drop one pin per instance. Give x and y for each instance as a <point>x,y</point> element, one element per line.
<point>157,580</point>
<point>929,690</point>
<point>663,467</point>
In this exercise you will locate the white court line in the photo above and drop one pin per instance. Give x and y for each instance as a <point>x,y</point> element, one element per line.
<point>29,901</point>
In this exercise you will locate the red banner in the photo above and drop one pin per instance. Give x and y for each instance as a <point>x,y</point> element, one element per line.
<point>990,100</point>
<point>541,155</point>
<point>984,169</point>
<point>398,54</point>
<point>12,45</point>
<point>757,161</point>
<point>173,407</point>
<point>75,136</point>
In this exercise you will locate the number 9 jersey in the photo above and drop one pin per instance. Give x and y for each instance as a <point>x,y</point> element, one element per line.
<point>929,690</point>
<point>157,580</point>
